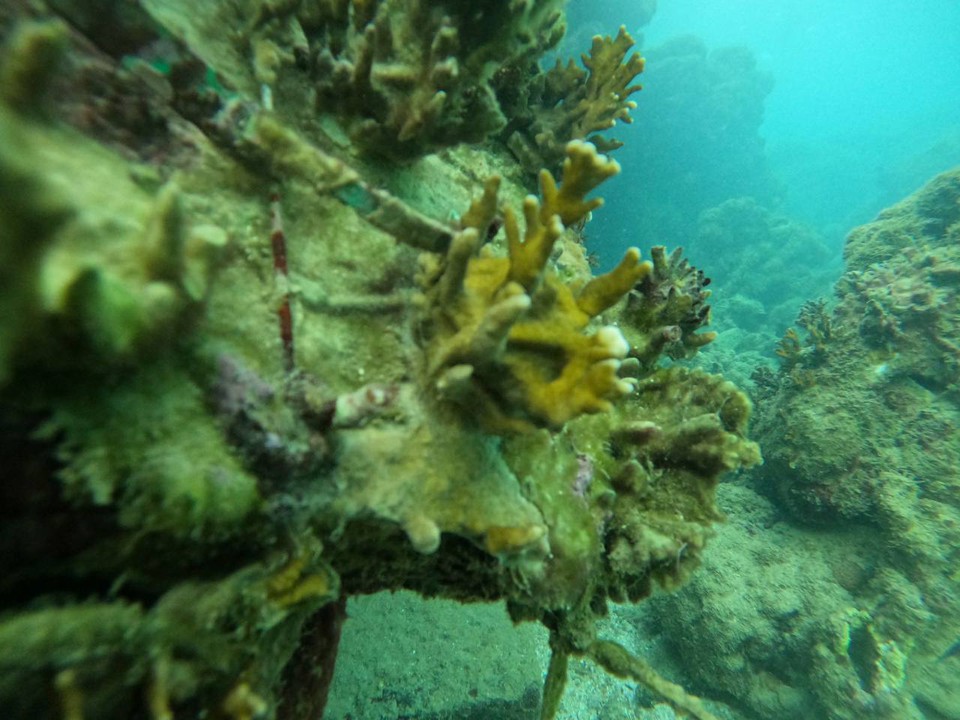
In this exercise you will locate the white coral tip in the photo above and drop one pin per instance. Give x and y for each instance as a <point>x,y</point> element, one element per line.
<point>610,337</point>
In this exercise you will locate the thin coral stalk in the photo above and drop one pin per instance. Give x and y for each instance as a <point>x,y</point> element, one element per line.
<point>555,683</point>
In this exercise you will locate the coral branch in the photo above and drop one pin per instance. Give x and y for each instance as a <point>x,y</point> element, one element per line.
<point>603,291</point>
<point>556,681</point>
<point>583,170</point>
<point>505,336</point>
<point>568,103</point>
<point>528,257</point>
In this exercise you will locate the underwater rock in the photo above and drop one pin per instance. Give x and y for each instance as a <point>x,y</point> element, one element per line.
<point>767,624</point>
<point>859,430</point>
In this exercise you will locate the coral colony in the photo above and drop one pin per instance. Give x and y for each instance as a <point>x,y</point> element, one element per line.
<point>268,350</point>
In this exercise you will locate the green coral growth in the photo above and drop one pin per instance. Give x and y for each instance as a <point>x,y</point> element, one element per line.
<point>230,401</point>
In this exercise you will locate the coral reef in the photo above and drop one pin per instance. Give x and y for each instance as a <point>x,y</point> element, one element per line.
<point>893,330</point>
<point>230,402</point>
<point>404,77</point>
<point>842,547</point>
<point>764,266</point>
<point>794,638</point>
<point>765,263</point>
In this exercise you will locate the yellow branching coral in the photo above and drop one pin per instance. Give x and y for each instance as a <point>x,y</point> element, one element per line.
<point>505,336</point>
<point>608,85</point>
<point>292,584</point>
<point>575,104</point>
<point>583,170</point>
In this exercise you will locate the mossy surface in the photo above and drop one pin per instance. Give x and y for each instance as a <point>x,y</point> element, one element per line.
<point>860,432</point>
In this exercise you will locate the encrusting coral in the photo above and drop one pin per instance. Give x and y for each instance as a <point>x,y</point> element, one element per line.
<point>505,335</point>
<point>188,507</point>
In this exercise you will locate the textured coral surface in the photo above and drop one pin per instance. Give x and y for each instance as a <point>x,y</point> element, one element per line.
<point>248,372</point>
<point>859,430</point>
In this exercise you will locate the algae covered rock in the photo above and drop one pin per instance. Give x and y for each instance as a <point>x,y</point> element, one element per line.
<point>879,365</point>
<point>777,619</point>
<point>860,431</point>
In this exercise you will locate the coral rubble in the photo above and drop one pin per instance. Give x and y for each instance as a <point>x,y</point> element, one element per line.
<point>189,495</point>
